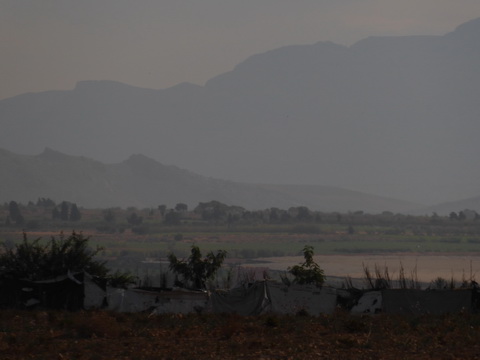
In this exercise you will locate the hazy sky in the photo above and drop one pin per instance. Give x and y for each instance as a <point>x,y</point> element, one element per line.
<point>52,44</point>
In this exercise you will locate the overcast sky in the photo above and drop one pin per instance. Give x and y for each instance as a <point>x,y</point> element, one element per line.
<point>52,44</point>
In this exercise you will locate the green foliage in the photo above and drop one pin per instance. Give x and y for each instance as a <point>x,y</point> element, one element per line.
<point>212,210</point>
<point>181,207</point>
<point>441,283</point>
<point>14,213</point>
<point>172,218</point>
<point>74,213</point>
<point>45,202</point>
<point>309,272</point>
<point>162,209</point>
<point>109,215</point>
<point>64,211</point>
<point>36,261</point>
<point>134,220</point>
<point>197,270</point>
<point>121,279</point>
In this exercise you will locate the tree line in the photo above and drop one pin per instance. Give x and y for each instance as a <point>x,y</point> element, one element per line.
<point>47,213</point>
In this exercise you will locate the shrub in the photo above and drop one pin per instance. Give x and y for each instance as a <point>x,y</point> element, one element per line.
<point>34,261</point>
<point>309,272</point>
<point>195,270</point>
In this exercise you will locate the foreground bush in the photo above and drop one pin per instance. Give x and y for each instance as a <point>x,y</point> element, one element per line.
<point>37,260</point>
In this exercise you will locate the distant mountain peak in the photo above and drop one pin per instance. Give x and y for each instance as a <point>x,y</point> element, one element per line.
<point>49,153</point>
<point>105,86</point>
<point>468,30</point>
<point>96,83</point>
<point>140,158</point>
<point>469,26</point>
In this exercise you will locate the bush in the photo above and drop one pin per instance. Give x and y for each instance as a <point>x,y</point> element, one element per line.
<point>121,280</point>
<point>309,272</point>
<point>34,261</point>
<point>195,270</point>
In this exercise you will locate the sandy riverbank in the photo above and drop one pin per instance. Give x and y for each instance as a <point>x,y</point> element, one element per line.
<point>428,267</point>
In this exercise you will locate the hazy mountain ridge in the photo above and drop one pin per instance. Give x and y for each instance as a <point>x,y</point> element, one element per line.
<point>143,182</point>
<point>452,206</point>
<point>396,116</point>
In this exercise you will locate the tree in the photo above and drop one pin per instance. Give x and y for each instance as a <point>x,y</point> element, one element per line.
<point>40,261</point>
<point>64,211</point>
<point>20,220</point>
<point>109,216</point>
<point>303,214</point>
<point>181,207</point>
<point>55,213</point>
<point>15,214</point>
<point>13,210</point>
<point>45,202</point>
<point>309,272</point>
<point>273,215</point>
<point>75,213</point>
<point>197,270</point>
<point>162,209</point>
<point>121,279</point>
<point>134,220</point>
<point>172,218</point>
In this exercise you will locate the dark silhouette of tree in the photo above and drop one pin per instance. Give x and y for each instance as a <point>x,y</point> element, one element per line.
<point>13,209</point>
<point>162,209</point>
<point>75,214</point>
<point>274,215</point>
<point>64,211</point>
<point>20,220</point>
<point>309,272</point>
<point>351,229</point>
<point>197,270</point>
<point>453,216</point>
<point>36,260</point>
<point>212,210</point>
<point>55,213</point>
<point>172,218</point>
<point>181,207</point>
<point>109,216</point>
<point>303,214</point>
<point>46,203</point>
<point>134,220</point>
<point>285,217</point>
<point>15,213</point>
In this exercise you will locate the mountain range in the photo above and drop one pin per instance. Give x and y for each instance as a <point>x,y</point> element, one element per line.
<point>143,182</point>
<point>391,116</point>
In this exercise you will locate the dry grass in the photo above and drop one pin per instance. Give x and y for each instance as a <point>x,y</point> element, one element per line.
<point>104,335</point>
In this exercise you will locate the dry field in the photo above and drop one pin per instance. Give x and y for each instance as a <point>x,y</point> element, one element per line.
<point>102,335</point>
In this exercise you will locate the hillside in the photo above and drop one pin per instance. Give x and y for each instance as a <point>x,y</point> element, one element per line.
<point>393,116</point>
<point>446,208</point>
<point>142,182</point>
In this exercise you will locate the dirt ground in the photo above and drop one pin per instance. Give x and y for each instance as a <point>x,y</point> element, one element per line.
<point>428,267</point>
<point>99,335</point>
